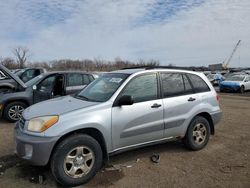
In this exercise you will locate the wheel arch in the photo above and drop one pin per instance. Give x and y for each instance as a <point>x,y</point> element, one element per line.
<point>93,132</point>
<point>208,117</point>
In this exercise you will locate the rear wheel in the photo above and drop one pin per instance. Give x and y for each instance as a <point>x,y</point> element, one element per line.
<point>198,133</point>
<point>13,111</point>
<point>76,160</point>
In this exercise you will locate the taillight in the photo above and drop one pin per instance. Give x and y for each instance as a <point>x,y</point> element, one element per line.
<point>217,97</point>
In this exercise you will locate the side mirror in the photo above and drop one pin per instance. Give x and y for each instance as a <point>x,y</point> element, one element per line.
<point>125,100</point>
<point>34,87</point>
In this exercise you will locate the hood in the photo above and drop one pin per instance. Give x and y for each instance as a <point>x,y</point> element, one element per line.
<point>231,83</point>
<point>56,106</point>
<point>11,75</point>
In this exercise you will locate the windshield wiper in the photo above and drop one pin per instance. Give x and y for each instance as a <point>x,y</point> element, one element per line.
<point>82,97</point>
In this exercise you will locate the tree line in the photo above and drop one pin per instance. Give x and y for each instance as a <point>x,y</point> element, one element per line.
<point>22,54</point>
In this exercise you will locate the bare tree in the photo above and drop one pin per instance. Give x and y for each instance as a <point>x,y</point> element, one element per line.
<point>21,53</point>
<point>9,63</point>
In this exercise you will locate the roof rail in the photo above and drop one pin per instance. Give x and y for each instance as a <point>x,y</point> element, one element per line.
<point>159,67</point>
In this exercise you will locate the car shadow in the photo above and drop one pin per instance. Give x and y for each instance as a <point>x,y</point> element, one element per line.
<point>107,176</point>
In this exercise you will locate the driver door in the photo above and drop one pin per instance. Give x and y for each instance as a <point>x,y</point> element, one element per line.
<point>142,121</point>
<point>44,90</point>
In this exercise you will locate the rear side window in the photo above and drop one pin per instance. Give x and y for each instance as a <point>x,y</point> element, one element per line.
<point>86,80</point>
<point>198,83</point>
<point>172,84</point>
<point>75,79</point>
<point>175,84</point>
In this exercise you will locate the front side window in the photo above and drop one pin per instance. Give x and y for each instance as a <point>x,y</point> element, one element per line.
<point>102,88</point>
<point>47,84</point>
<point>198,83</point>
<point>142,88</point>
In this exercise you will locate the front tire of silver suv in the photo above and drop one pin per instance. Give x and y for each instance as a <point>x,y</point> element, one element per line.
<point>76,160</point>
<point>198,133</point>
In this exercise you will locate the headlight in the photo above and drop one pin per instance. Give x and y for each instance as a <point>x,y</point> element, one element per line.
<point>41,124</point>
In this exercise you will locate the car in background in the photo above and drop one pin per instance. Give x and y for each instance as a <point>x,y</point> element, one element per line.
<point>41,88</point>
<point>235,83</point>
<point>29,73</point>
<point>8,83</point>
<point>215,79</point>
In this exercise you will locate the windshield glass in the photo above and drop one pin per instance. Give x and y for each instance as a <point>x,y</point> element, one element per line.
<point>102,88</point>
<point>34,81</point>
<point>236,78</point>
<point>19,72</point>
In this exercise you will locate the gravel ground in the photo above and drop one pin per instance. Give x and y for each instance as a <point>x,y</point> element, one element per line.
<point>223,163</point>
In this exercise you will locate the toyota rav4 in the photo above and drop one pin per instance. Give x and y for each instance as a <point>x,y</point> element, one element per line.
<point>119,111</point>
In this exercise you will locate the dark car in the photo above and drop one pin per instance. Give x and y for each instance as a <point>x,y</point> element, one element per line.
<point>43,87</point>
<point>7,83</point>
<point>29,73</point>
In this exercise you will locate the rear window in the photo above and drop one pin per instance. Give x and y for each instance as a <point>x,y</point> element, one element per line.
<point>198,83</point>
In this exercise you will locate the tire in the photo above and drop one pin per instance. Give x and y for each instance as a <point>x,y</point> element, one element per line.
<point>198,133</point>
<point>242,89</point>
<point>74,149</point>
<point>13,111</point>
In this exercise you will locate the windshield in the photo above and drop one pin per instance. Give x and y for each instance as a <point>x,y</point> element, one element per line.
<point>102,88</point>
<point>34,81</point>
<point>235,78</point>
<point>19,72</point>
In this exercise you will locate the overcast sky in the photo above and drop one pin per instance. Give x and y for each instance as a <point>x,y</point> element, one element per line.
<point>180,32</point>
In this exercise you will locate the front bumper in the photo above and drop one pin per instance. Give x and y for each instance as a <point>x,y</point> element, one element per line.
<point>35,149</point>
<point>229,88</point>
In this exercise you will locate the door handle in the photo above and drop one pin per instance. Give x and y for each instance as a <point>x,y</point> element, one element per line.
<point>156,105</point>
<point>191,99</point>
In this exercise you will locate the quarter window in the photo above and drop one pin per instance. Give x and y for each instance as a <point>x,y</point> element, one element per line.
<point>198,83</point>
<point>142,88</point>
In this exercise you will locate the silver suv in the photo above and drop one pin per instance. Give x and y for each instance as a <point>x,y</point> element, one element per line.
<point>119,111</point>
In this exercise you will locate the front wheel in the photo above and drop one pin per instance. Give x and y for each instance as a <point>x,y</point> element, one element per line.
<point>13,111</point>
<point>76,160</point>
<point>198,133</point>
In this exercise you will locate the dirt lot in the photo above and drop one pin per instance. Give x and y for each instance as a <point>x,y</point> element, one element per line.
<point>223,163</point>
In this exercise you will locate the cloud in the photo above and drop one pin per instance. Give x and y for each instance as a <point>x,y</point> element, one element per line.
<point>186,32</point>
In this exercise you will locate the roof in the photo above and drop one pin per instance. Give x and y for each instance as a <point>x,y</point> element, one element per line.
<point>66,72</point>
<point>128,71</point>
<point>136,70</point>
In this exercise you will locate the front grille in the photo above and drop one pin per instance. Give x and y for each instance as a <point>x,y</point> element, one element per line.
<point>21,122</point>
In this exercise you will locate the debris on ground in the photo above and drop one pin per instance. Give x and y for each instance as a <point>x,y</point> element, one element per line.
<point>229,168</point>
<point>39,179</point>
<point>155,158</point>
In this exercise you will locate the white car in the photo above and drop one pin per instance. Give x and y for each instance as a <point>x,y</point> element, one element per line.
<point>240,83</point>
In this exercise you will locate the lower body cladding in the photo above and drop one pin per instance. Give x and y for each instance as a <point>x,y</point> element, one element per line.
<point>35,149</point>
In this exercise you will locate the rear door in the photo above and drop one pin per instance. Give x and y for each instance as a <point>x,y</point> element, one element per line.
<point>142,121</point>
<point>179,101</point>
